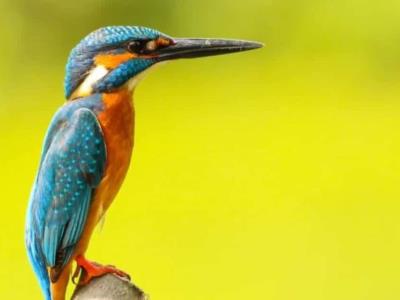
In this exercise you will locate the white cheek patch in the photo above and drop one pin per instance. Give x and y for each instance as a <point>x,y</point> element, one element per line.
<point>86,87</point>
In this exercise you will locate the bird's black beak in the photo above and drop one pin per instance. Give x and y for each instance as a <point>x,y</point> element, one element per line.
<point>191,48</point>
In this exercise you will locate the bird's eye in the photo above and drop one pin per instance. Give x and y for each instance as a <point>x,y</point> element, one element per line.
<point>147,46</point>
<point>135,46</point>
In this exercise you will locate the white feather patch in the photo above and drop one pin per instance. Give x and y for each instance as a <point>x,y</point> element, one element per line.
<point>86,87</point>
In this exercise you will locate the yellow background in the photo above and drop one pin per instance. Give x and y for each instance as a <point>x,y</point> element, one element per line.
<point>271,174</point>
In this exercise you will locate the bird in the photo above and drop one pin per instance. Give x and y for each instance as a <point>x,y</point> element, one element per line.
<point>88,146</point>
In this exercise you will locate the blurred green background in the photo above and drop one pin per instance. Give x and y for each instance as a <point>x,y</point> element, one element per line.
<point>271,174</point>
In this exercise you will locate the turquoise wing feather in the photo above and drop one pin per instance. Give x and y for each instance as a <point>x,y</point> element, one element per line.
<point>72,166</point>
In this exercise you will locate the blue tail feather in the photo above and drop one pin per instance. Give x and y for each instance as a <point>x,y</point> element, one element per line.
<point>38,264</point>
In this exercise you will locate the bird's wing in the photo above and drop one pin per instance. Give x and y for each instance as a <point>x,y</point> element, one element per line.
<point>72,166</point>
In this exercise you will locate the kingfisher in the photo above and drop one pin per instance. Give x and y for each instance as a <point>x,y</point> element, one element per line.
<point>88,146</point>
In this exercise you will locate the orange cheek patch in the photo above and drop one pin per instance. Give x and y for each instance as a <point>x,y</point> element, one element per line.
<point>111,61</point>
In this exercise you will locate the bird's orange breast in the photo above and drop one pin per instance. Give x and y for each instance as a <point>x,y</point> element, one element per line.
<point>117,121</point>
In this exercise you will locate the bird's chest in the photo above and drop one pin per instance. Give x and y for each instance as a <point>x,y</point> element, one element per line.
<point>117,121</point>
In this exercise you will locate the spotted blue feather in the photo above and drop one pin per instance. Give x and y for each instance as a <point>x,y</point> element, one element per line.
<point>72,165</point>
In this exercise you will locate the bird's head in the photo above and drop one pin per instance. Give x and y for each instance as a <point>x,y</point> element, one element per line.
<point>112,57</point>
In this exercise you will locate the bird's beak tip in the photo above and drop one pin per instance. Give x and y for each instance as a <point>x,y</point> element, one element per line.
<point>253,45</point>
<point>260,45</point>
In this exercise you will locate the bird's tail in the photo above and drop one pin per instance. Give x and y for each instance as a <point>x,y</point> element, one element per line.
<point>38,264</point>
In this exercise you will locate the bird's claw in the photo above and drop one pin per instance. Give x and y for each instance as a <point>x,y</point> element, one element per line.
<point>87,270</point>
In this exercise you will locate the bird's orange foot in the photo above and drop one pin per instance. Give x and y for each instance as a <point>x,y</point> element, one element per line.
<point>89,270</point>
